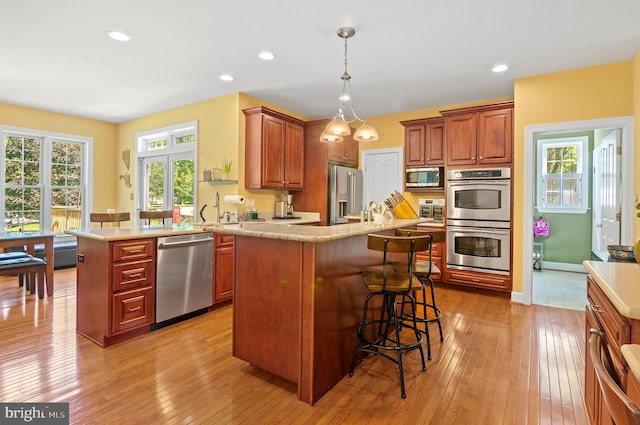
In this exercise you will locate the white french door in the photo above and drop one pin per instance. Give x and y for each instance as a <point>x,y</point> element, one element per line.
<point>167,183</point>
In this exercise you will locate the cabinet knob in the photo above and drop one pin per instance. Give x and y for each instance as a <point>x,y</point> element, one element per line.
<point>480,157</point>
<point>473,157</point>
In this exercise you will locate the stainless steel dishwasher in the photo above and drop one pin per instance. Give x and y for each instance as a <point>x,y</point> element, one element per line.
<point>184,277</point>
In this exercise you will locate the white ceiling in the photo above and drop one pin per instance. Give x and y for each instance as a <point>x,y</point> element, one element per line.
<point>406,54</point>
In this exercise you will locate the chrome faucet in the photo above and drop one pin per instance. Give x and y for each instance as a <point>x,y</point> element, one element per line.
<point>216,204</point>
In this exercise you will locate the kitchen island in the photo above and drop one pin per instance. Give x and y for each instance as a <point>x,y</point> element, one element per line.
<point>298,297</point>
<point>116,280</point>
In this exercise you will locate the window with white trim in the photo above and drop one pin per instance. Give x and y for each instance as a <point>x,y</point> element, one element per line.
<point>563,178</point>
<point>44,180</point>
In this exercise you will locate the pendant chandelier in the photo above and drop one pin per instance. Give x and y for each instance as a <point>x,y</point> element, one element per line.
<point>338,127</point>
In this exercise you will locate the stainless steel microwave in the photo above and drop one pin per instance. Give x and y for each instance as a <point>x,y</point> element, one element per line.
<point>425,177</point>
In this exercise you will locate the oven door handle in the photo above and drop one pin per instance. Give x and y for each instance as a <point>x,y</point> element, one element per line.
<point>473,230</point>
<point>477,183</point>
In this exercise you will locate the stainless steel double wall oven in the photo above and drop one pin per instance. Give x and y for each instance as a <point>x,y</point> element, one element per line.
<point>479,220</point>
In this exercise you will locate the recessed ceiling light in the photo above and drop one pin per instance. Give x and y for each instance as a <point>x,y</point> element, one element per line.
<point>119,36</point>
<point>226,77</point>
<point>266,56</point>
<point>500,68</point>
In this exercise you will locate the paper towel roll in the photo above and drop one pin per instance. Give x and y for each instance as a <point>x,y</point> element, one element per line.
<point>234,199</point>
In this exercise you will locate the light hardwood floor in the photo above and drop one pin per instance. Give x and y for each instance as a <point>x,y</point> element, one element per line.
<point>500,363</point>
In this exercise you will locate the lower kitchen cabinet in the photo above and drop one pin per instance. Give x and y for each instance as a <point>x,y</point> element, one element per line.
<point>223,268</point>
<point>602,315</point>
<point>115,288</point>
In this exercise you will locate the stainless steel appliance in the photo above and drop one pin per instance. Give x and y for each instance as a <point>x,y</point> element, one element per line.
<point>479,220</point>
<point>479,246</point>
<point>345,193</point>
<point>479,194</point>
<point>184,275</point>
<point>432,209</point>
<point>424,177</point>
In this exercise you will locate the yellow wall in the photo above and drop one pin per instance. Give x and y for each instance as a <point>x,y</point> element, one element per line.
<point>589,93</point>
<point>636,138</point>
<point>105,174</point>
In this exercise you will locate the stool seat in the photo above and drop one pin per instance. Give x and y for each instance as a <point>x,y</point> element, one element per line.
<point>12,255</point>
<point>388,334</point>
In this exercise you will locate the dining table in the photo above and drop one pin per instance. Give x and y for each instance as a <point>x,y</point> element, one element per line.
<point>30,240</point>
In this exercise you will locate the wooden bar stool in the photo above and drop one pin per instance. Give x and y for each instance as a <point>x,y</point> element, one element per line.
<point>424,269</point>
<point>391,333</point>
<point>109,217</point>
<point>156,215</point>
<point>32,267</point>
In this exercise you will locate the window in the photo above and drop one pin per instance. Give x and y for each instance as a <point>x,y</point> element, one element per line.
<point>166,170</point>
<point>563,180</point>
<point>44,180</point>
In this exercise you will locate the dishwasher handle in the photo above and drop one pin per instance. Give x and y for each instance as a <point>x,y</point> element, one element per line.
<point>183,243</point>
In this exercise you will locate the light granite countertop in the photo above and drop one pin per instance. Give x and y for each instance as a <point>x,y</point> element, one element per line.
<point>621,284</point>
<point>631,353</point>
<point>310,233</point>
<point>124,233</point>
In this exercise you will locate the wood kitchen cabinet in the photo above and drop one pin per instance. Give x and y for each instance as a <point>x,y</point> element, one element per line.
<point>318,155</point>
<point>115,288</point>
<point>274,150</point>
<point>223,268</point>
<point>424,142</point>
<point>345,152</point>
<point>479,135</point>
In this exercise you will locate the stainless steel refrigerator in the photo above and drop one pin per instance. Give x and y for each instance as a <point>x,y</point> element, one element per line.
<point>345,193</point>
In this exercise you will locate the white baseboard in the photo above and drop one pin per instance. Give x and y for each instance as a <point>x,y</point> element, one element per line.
<point>565,267</point>
<point>517,297</point>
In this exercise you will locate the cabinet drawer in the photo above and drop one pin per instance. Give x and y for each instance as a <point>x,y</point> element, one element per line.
<point>615,327</point>
<point>132,250</point>
<point>479,279</point>
<point>132,309</point>
<point>132,274</point>
<point>224,240</point>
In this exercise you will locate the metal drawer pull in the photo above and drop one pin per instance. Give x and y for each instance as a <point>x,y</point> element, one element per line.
<point>133,251</point>
<point>135,275</point>
<point>131,310</point>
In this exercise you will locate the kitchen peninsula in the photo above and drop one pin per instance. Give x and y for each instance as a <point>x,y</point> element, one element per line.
<point>298,297</point>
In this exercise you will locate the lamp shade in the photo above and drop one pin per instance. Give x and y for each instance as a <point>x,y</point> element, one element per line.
<point>338,127</point>
<point>365,133</point>
<point>330,138</point>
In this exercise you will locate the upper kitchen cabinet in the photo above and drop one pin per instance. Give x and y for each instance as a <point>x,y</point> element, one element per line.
<point>274,150</point>
<point>479,135</point>
<point>423,142</point>
<point>344,153</point>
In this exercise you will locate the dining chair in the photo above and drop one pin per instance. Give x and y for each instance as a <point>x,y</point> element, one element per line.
<point>109,217</point>
<point>156,215</point>
<point>623,411</point>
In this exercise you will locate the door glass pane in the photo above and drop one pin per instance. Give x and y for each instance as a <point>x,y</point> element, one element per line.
<point>154,196</point>
<point>183,188</point>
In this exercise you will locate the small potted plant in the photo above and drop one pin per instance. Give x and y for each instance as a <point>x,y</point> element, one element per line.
<point>226,168</point>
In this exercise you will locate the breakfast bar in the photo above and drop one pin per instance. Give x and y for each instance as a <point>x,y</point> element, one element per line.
<point>298,298</point>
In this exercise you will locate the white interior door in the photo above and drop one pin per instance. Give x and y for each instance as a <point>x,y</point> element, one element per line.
<point>382,174</point>
<point>606,192</point>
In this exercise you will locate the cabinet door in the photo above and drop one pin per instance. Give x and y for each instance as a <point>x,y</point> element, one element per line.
<point>495,134</point>
<point>223,289</point>
<point>273,152</point>
<point>132,309</point>
<point>351,152</point>
<point>461,132</point>
<point>434,143</point>
<point>294,157</point>
<point>414,146</point>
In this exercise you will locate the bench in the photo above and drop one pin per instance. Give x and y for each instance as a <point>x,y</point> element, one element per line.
<point>64,253</point>
<point>31,266</point>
